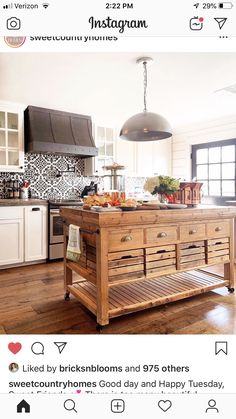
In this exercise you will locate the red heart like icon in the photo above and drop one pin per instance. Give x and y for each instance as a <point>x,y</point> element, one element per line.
<point>14,347</point>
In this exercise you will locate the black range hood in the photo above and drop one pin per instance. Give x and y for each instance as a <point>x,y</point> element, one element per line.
<point>51,131</point>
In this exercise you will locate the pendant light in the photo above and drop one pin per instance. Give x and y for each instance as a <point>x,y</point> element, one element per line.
<point>145,126</point>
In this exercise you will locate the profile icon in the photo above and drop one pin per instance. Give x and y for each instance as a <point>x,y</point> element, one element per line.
<point>13,367</point>
<point>212,406</point>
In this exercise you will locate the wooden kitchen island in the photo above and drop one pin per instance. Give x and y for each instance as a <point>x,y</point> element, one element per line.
<point>135,260</point>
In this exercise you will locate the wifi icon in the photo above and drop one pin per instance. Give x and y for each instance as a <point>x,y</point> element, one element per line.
<point>45,5</point>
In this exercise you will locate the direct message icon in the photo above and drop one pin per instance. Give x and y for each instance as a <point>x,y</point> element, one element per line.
<point>221,21</point>
<point>164,405</point>
<point>60,346</point>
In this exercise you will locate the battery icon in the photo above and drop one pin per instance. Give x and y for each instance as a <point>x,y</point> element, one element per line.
<point>226,5</point>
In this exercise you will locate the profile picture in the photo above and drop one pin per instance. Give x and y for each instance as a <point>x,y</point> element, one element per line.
<point>13,367</point>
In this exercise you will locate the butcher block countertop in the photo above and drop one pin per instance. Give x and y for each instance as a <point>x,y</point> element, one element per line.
<point>136,260</point>
<point>106,219</point>
<point>22,202</point>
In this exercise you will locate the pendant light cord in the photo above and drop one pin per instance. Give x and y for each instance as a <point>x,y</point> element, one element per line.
<point>145,85</point>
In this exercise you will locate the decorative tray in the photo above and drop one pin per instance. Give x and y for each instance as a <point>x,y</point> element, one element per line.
<point>161,206</point>
<point>152,206</point>
<point>105,209</point>
<point>177,206</point>
<point>128,208</point>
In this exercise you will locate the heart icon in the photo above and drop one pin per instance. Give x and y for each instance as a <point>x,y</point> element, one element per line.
<point>14,347</point>
<point>164,405</point>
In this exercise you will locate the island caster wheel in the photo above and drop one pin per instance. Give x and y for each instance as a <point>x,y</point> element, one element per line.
<point>67,296</point>
<point>99,327</point>
<point>231,290</point>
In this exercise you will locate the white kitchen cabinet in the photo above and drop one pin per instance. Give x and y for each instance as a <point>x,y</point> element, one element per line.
<point>144,159</point>
<point>141,159</point>
<point>126,155</point>
<point>11,138</point>
<point>111,149</point>
<point>105,142</point>
<point>11,235</point>
<point>35,228</point>
<point>162,157</point>
<point>23,234</point>
<point>153,158</point>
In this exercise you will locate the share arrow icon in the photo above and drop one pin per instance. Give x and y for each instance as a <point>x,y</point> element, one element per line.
<point>221,21</point>
<point>60,346</point>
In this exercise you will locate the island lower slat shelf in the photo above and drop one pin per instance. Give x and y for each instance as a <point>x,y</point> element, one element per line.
<point>84,295</point>
<point>89,275</point>
<point>136,260</point>
<point>85,273</point>
<point>132,297</point>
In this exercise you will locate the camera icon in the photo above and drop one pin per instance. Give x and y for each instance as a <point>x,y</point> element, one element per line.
<point>13,23</point>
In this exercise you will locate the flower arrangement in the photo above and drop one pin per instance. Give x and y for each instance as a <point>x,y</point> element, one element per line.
<point>163,185</point>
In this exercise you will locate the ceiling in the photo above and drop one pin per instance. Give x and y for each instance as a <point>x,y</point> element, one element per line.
<point>108,86</point>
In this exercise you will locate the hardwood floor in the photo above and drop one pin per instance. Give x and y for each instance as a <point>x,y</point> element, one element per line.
<point>31,302</point>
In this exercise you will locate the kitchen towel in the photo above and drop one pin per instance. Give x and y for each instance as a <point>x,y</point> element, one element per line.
<point>73,248</point>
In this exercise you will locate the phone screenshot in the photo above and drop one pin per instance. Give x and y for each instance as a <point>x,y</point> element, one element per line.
<point>117,209</point>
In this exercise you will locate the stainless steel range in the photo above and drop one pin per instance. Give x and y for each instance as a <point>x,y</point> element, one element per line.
<point>55,227</point>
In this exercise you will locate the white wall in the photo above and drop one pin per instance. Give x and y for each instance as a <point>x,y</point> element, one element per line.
<point>202,132</point>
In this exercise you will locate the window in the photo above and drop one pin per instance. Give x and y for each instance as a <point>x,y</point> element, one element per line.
<point>214,164</point>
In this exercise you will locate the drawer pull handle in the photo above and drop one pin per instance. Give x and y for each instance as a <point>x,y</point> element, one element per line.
<point>127,238</point>
<point>193,231</point>
<point>163,234</point>
<point>218,228</point>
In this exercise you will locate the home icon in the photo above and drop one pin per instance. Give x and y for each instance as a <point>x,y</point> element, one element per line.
<point>23,407</point>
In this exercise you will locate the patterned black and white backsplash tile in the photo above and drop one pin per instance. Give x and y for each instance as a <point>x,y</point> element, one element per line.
<point>55,176</point>
<point>50,176</point>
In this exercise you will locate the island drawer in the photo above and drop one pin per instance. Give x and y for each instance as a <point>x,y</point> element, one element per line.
<point>159,235</point>
<point>125,239</point>
<point>218,250</point>
<point>218,229</point>
<point>192,231</point>
<point>161,259</point>
<point>125,265</point>
<point>192,254</point>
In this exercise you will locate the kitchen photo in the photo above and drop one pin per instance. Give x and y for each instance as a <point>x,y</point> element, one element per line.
<point>117,193</point>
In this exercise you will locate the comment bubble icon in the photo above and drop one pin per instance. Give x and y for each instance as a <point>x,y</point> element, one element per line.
<point>37,348</point>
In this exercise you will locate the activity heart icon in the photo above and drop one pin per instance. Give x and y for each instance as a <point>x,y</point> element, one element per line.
<point>14,347</point>
<point>164,405</point>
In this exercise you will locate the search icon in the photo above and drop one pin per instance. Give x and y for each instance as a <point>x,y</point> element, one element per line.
<point>37,348</point>
<point>69,405</point>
